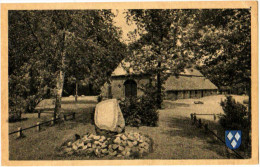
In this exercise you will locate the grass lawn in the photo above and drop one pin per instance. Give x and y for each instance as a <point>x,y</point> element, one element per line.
<point>174,138</point>
<point>68,105</point>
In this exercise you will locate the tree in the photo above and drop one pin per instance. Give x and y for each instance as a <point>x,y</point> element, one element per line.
<point>222,41</point>
<point>50,44</point>
<point>159,48</point>
<point>29,76</point>
<point>94,60</point>
<point>217,41</point>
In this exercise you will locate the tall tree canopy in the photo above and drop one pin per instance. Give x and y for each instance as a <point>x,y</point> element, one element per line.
<point>159,49</point>
<point>223,47</point>
<point>217,41</point>
<point>46,45</point>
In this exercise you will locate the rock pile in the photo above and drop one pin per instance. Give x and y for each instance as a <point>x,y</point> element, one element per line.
<point>122,145</point>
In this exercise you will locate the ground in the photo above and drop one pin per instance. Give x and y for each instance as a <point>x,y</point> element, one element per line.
<point>174,138</point>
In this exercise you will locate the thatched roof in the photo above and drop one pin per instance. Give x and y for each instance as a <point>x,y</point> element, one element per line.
<point>190,79</point>
<point>188,83</point>
<point>120,71</point>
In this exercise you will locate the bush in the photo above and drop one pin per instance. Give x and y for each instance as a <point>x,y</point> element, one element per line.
<point>142,110</point>
<point>99,98</point>
<point>17,106</point>
<point>236,117</point>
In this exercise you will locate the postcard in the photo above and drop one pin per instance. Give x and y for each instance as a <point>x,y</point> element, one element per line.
<point>129,83</point>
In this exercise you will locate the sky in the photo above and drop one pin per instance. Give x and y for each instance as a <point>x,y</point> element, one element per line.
<point>120,21</point>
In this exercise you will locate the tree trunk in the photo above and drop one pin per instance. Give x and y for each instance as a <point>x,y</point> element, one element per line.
<point>76,92</point>
<point>60,82</point>
<point>59,89</point>
<point>159,86</point>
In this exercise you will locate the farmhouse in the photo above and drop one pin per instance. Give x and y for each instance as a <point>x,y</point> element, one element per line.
<point>189,84</point>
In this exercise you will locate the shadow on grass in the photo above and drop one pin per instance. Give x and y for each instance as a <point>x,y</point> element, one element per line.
<point>79,102</point>
<point>182,127</point>
<point>85,115</point>
<point>17,120</point>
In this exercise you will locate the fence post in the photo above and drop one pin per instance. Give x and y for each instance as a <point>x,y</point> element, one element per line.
<point>215,136</point>
<point>215,117</point>
<point>206,127</point>
<point>52,121</point>
<point>38,126</point>
<point>73,115</point>
<point>194,119</point>
<point>39,114</point>
<point>200,124</point>
<point>20,133</point>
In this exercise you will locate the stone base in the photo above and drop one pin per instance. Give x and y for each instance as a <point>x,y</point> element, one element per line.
<point>106,133</point>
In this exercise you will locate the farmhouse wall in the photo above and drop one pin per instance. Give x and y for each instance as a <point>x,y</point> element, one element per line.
<point>171,95</point>
<point>192,94</point>
<point>185,94</point>
<point>118,87</point>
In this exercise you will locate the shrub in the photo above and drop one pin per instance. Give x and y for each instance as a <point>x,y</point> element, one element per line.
<point>236,117</point>
<point>142,110</point>
<point>235,114</point>
<point>17,106</point>
<point>99,98</point>
<point>131,110</point>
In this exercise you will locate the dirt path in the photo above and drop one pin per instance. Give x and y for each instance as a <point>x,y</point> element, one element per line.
<point>176,138</point>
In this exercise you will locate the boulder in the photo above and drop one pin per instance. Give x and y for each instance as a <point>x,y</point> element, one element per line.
<point>89,145</point>
<point>67,149</point>
<point>115,146</point>
<point>123,137</point>
<point>85,147</point>
<point>113,153</point>
<point>104,151</point>
<point>96,137</point>
<point>135,143</point>
<point>74,146</point>
<point>109,117</point>
<point>130,144</point>
<point>117,140</point>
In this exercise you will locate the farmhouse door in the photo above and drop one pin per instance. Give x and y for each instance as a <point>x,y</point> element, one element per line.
<point>130,88</point>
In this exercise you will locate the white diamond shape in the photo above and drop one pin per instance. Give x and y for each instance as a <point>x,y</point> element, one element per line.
<point>229,136</point>
<point>234,143</point>
<point>237,136</point>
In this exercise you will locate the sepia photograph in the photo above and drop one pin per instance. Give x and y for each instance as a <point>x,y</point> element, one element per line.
<point>130,84</point>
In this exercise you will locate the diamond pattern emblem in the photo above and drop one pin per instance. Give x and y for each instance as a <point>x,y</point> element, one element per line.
<point>233,143</point>
<point>233,138</point>
<point>237,136</point>
<point>230,136</point>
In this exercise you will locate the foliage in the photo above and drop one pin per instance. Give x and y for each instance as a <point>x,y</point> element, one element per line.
<point>236,117</point>
<point>222,42</point>
<point>235,114</point>
<point>218,42</point>
<point>142,110</point>
<point>46,45</point>
<point>99,98</point>
<point>158,48</point>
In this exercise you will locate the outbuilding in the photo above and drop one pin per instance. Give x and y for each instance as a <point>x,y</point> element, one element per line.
<point>189,84</point>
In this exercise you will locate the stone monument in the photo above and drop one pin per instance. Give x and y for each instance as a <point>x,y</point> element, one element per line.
<point>108,118</point>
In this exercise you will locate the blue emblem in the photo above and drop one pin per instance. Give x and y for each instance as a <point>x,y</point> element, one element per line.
<point>233,138</point>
